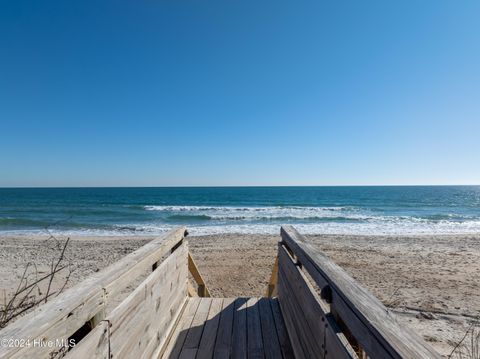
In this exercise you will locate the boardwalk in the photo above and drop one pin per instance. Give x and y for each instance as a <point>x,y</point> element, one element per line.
<point>230,328</point>
<point>312,309</point>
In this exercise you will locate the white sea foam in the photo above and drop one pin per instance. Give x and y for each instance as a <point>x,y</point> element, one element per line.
<point>259,213</point>
<point>379,227</point>
<point>231,208</point>
<point>204,220</point>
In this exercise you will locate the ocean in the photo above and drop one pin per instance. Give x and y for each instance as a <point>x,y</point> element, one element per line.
<point>210,210</point>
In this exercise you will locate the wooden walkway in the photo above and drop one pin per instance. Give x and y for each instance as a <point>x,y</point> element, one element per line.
<point>230,328</point>
<point>313,309</point>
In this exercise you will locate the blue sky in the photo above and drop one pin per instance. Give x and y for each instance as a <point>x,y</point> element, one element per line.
<point>153,93</point>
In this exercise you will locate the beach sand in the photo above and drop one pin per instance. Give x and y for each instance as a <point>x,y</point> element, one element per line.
<point>432,283</point>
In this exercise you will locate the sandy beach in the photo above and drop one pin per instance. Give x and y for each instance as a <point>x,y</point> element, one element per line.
<point>432,283</point>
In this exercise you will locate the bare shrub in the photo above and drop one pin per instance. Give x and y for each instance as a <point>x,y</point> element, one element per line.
<point>469,346</point>
<point>33,288</point>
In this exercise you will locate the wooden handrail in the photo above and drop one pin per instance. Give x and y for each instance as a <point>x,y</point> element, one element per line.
<point>272,283</point>
<point>202,289</point>
<point>365,318</point>
<point>63,316</point>
<point>142,323</point>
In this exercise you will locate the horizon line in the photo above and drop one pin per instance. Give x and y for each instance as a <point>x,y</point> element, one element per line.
<point>245,186</point>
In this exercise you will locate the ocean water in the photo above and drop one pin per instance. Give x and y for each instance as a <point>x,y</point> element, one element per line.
<point>332,210</point>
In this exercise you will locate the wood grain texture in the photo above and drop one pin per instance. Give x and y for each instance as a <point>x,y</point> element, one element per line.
<point>141,323</point>
<point>282,334</point>
<point>368,320</point>
<point>336,345</point>
<point>95,345</point>
<point>242,327</point>
<point>272,283</point>
<point>239,339</point>
<point>304,297</point>
<point>163,292</point>
<point>174,346</point>
<point>194,335</point>
<point>305,342</point>
<point>209,336</point>
<point>202,290</point>
<point>254,330</point>
<point>290,322</point>
<point>269,333</point>
<point>225,329</point>
<point>62,316</point>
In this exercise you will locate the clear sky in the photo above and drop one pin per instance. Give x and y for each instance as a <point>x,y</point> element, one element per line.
<point>153,93</point>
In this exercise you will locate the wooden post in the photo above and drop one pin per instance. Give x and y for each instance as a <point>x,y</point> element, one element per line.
<point>191,290</point>
<point>272,284</point>
<point>202,287</point>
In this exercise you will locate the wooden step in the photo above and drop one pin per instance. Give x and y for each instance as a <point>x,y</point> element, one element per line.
<point>224,328</point>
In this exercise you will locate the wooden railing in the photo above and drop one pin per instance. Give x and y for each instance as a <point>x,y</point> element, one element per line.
<point>326,312</point>
<point>202,289</point>
<point>139,325</point>
<point>330,315</point>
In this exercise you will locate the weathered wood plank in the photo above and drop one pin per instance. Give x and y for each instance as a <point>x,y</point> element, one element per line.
<point>194,335</point>
<point>225,327</point>
<point>157,352</point>
<point>298,323</point>
<point>293,334</point>
<point>254,330</point>
<point>163,293</point>
<point>207,343</point>
<point>336,345</point>
<point>94,346</point>
<point>191,290</point>
<point>272,283</point>
<point>202,287</point>
<point>374,327</point>
<point>188,353</point>
<point>171,317</point>
<point>138,326</point>
<point>62,316</point>
<point>175,344</point>
<point>306,298</point>
<point>269,333</point>
<point>282,334</point>
<point>158,283</point>
<point>239,339</point>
